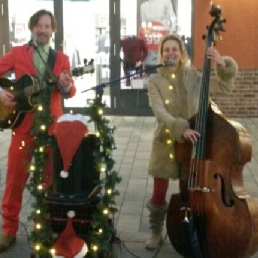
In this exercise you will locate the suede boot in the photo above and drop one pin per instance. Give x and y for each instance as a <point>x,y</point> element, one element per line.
<point>157,217</point>
<point>6,241</point>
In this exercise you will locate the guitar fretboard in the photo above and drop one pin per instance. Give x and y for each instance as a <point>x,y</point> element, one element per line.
<point>30,90</point>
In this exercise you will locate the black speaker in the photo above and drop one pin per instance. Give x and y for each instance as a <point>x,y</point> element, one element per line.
<point>72,193</point>
<point>83,215</point>
<point>82,177</point>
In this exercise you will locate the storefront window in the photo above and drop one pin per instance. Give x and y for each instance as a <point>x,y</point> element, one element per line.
<point>146,22</point>
<point>87,43</point>
<point>19,16</point>
<point>87,39</point>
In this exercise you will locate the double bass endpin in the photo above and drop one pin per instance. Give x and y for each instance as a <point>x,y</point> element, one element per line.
<point>188,214</point>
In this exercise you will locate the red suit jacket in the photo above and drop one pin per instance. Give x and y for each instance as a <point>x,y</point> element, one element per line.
<point>134,49</point>
<point>20,60</point>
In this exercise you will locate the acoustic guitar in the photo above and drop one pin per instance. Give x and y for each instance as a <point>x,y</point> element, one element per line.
<point>24,90</point>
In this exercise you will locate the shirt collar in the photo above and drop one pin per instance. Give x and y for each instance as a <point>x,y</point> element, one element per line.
<point>44,48</point>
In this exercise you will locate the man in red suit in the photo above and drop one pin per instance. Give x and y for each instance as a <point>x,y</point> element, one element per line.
<point>22,60</point>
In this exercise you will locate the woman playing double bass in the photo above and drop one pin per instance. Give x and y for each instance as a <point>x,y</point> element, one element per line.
<point>174,97</point>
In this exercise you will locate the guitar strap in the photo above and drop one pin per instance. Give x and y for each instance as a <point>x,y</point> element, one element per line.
<point>51,58</point>
<point>50,77</point>
<point>50,65</point>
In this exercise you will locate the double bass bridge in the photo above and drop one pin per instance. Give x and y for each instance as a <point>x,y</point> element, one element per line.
<point>200,189</point>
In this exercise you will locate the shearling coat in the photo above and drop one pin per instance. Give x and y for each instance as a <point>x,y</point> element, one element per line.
<point>174,98</point>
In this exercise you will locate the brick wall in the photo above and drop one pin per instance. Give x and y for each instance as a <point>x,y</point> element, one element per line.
<point>243,100</point>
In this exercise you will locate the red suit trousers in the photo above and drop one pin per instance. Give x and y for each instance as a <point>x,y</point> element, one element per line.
<point>16,178</point>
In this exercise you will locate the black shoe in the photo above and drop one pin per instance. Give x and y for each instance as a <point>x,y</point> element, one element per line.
<point>6,241</point>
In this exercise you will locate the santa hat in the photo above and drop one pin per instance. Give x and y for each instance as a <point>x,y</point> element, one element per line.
<point>69,132</point>
<point>68,245</point>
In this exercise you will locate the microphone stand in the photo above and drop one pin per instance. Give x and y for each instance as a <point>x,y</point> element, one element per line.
<point>100,88</point>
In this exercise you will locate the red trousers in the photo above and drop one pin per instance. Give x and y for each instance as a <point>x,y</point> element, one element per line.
<point>159,191</point>
<point>16,178</point>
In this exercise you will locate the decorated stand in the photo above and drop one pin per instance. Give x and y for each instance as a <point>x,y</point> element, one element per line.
<point>74,175</point>
<point>79,161</point>
<point>69,244</point>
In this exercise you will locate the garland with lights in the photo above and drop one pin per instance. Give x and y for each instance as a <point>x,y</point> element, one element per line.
<point>103,232</point>
<point>41,235</point>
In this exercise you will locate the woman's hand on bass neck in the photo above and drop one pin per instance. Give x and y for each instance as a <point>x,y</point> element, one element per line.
<point>213,54</point>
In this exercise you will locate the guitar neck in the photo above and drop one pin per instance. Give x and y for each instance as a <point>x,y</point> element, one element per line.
<point>30,90</point>
<point>27,85</point>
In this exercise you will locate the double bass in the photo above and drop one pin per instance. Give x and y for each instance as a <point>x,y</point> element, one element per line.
<point>213,216</point>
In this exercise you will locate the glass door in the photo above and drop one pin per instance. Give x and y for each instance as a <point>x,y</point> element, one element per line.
<point>19,16</point>
<point>133,52</point>
<point>143,24</point>
<point>87,43</point>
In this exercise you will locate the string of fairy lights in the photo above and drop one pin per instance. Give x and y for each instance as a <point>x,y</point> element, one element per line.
<point>100,237</point>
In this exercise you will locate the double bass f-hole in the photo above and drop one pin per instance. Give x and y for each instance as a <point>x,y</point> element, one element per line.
<point>226,199</point>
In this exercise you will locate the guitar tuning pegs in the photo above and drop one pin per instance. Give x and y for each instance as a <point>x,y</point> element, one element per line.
<point>203,36</point>
<point>91,61</point>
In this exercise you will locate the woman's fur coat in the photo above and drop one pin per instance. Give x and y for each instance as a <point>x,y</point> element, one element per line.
<point>174,98</point>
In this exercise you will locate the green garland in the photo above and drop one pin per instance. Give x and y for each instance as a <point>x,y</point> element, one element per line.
<point>41,235</point>
<point>102,230</point>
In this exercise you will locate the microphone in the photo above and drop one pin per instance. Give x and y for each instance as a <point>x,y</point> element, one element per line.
<point>32,41</point>
<point>171,61</point>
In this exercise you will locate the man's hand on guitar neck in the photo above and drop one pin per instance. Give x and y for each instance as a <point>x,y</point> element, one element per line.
<point>7,98</point>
